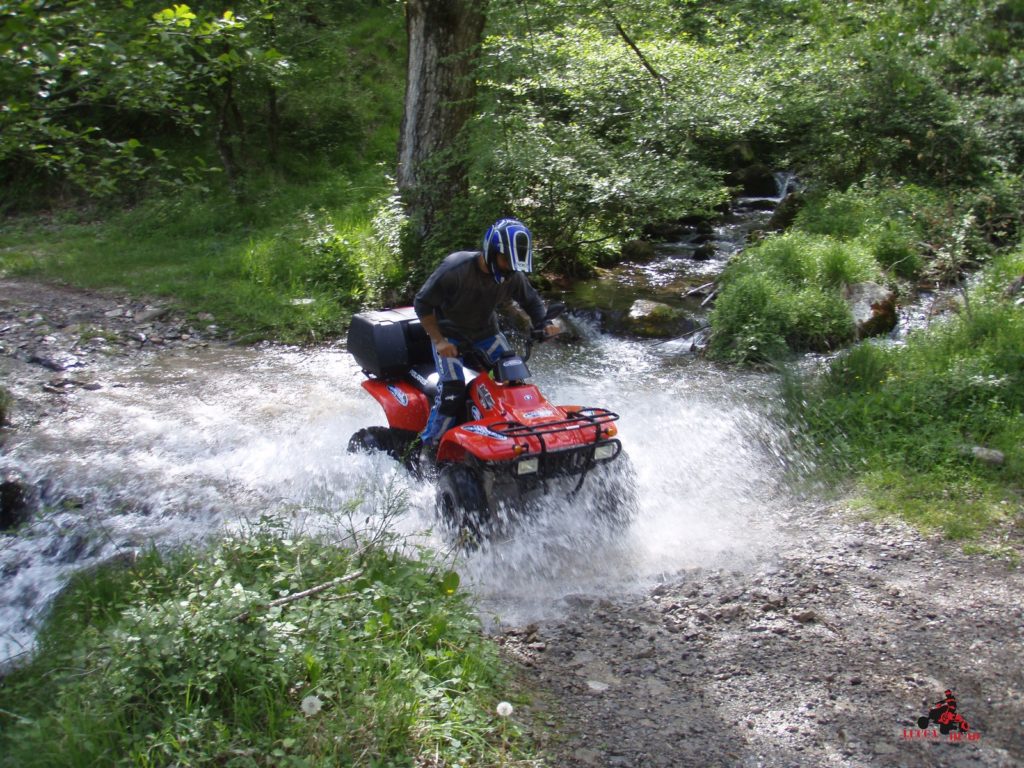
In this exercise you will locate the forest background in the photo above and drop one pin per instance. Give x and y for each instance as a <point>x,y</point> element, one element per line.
<point>244,162</point>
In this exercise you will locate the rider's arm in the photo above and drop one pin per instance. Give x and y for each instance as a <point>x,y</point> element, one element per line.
<point>444,347</point>
<point>528,298</point>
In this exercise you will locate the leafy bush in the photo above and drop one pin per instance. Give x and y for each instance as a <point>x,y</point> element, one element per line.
<point>782,296</point>
<point>895,248</point>
<point>265,650</point>
<point>749,320</point>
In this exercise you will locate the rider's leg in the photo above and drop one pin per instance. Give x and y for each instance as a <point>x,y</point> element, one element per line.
<point>494,347</point>
<point>448,402</point>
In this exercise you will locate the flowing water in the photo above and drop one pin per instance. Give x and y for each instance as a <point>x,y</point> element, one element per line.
<point>176,448</point>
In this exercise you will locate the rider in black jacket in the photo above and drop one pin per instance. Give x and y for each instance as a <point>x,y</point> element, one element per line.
<point>457,304</point>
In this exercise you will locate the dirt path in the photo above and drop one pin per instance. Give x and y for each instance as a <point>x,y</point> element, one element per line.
<point>824,655</point>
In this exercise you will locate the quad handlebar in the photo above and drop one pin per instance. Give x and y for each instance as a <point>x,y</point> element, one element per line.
<point>536,334</point>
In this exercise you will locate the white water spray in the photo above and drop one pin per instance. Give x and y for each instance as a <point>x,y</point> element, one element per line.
<point>177,449</point>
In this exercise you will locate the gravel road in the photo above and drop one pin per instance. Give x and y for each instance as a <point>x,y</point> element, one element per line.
<point>825,654</point>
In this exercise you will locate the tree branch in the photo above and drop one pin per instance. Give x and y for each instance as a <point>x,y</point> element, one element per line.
<point>660,78</point>
<point>303,594</point>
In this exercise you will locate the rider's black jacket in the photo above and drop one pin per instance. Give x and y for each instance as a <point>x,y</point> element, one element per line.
<point>463,297</point>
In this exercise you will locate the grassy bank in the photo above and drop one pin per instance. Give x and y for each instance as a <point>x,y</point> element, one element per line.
<point>289,260</point>
<point>932,429</point>
<point>266,649</point>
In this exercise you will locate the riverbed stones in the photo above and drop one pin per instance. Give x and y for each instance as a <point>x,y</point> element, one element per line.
<point>14,503</point>
<point>652,319</point>
<point>873,307</point>
<point>829,658</point>
<point>638,250</point>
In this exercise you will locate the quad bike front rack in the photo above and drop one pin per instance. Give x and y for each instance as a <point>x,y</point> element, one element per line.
<point>558,462</point>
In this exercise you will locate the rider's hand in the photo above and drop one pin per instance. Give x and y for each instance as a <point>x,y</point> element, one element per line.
<point>552,329</point>
<point>446,349</point>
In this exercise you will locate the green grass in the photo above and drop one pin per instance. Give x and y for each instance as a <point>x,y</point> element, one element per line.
<point>185,660</point>
<point>783,296</point>
<point>253,262</point>
<point>903,420</point>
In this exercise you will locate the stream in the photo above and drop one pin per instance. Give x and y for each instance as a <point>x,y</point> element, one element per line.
<point>656,647</point>
<point>172,447</point>
<point>179,446</point>
<point>175,446</point>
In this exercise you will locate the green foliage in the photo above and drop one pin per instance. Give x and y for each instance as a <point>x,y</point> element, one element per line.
<point>783,296</point>
<point>600,119</point>
<point>105,97</point>
<point>267,649</point>
<point>919,409</point>
<point>292,262</point>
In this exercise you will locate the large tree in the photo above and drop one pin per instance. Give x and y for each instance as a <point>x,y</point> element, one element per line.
<point>444,40</point>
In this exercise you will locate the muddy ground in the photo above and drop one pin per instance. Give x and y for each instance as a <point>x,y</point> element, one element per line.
<point>824,653</point>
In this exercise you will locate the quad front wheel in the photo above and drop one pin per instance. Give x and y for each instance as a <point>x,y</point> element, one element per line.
<point>462,502</point>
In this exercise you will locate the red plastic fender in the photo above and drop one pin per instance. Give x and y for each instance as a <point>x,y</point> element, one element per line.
<point>404,406</point>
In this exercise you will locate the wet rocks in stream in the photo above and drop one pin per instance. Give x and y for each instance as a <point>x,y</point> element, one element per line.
<point>60,340</point>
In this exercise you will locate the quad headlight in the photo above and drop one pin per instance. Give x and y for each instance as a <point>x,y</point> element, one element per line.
<point>527,466</point>
<point>605,451</point>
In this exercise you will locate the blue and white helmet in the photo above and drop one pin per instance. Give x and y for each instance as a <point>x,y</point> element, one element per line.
<point>512,238</point>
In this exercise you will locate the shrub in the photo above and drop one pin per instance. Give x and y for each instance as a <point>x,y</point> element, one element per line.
<point>782,296</point>
<point>749,321</point>
<point>817,321</point>
<point>892,243</point>
<point>838,263</point>
<point>916,411</point>
<point>268,649</point>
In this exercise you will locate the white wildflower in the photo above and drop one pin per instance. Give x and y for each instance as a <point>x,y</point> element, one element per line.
<point>311,705</point>
<point>504,709</point>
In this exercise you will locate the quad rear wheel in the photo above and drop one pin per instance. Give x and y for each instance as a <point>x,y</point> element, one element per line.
<point>462,503</point>
<point>396,443</point>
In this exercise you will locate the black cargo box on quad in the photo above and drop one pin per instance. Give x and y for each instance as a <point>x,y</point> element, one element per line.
<point>387,342</point>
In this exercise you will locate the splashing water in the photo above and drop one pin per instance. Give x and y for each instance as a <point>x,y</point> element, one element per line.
<point>177,449</point>
<point>708,472</point>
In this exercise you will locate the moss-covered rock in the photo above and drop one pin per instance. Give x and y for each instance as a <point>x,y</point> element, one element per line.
<point>652,319</point>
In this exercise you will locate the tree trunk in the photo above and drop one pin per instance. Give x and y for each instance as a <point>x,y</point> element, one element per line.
<point>444,40</point>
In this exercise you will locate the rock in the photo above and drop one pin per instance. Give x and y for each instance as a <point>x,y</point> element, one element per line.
<point>588,757</point>
<point>1014,288</point>
<point>59,361</point>
<point>785,212</point>
<point>652,319</point>
<point>150,314</point>
<point>873,307</point>
<point>703,252</point>
<point>989,456</point>
<point>756,180</point>
<point>14,505</point>
<point>637,250</point>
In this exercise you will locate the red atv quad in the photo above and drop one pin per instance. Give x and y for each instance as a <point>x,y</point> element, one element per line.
<point>511,448</point>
